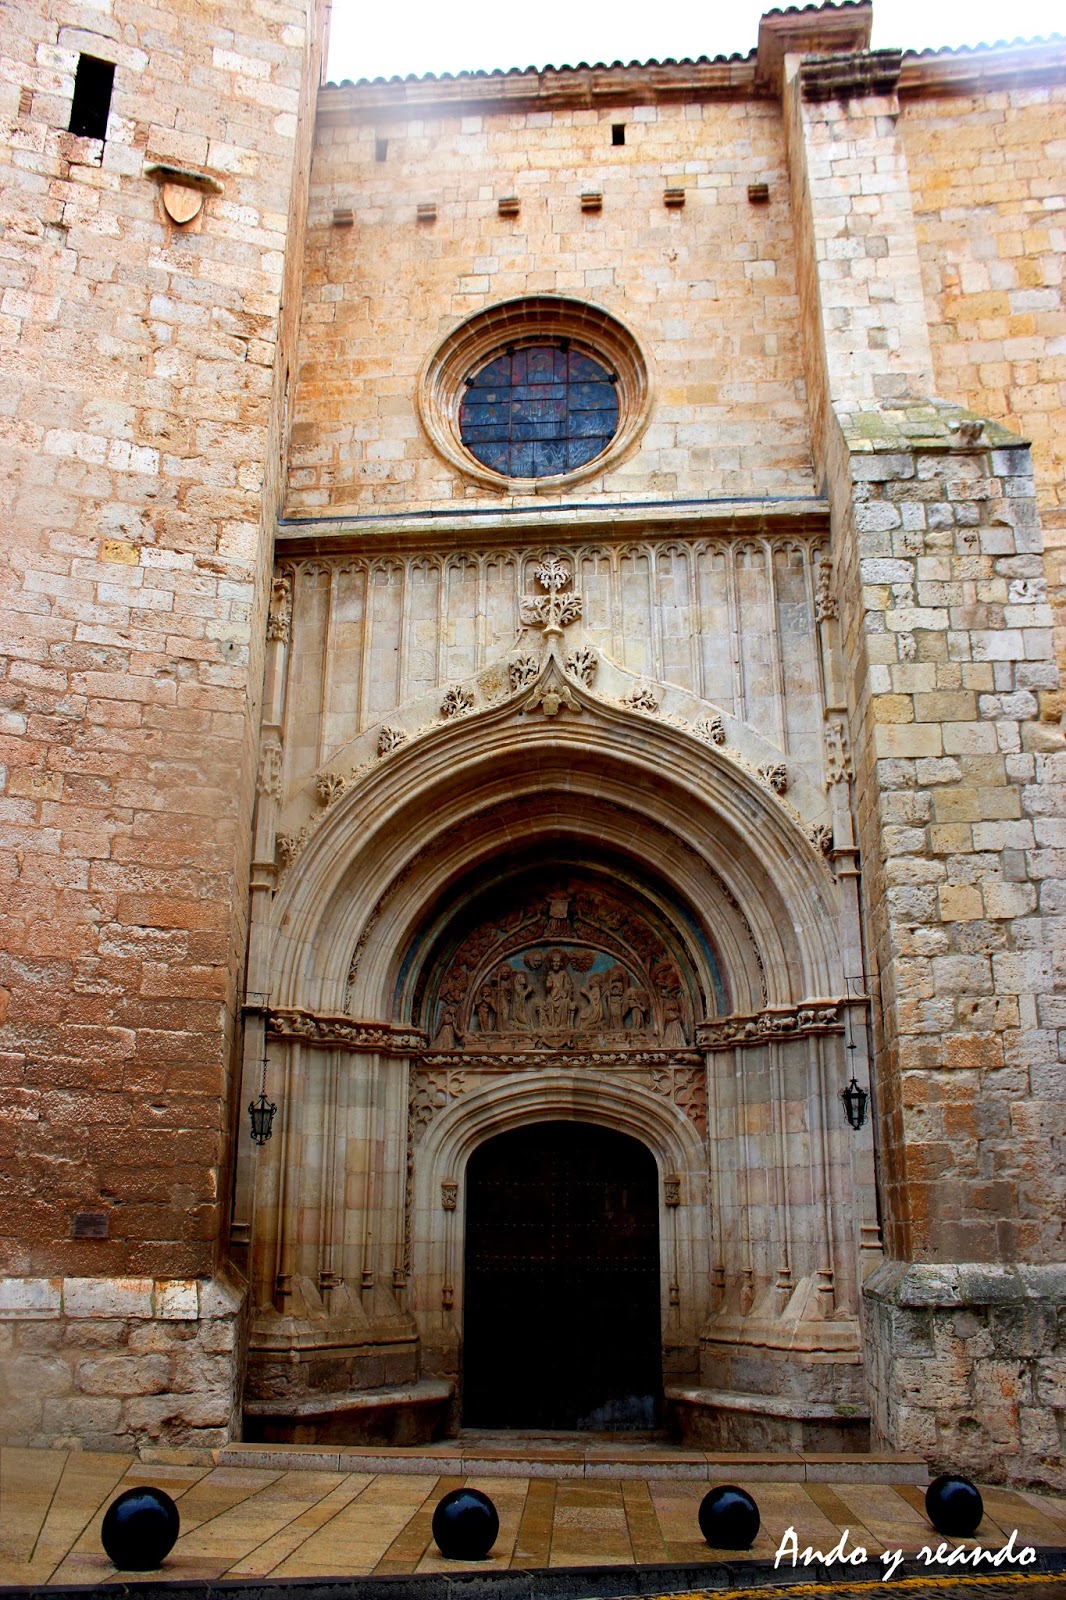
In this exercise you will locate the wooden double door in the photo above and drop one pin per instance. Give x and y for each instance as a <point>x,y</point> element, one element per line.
<point>562,1322</point>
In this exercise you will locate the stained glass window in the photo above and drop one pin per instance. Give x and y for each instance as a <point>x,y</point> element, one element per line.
<point>539,410</point>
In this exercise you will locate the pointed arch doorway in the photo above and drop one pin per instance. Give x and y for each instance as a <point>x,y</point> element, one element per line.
<point>562,1324</point>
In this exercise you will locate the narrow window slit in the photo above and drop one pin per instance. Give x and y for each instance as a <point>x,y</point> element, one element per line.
<point>93,83</point>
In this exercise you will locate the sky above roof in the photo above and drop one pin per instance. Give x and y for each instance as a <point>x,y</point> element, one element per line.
<point>420,36</point>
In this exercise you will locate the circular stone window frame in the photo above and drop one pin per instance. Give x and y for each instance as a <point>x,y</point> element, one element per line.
<point>534,319</point>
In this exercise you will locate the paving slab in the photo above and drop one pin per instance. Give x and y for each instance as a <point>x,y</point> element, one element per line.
<point>262,1528</point>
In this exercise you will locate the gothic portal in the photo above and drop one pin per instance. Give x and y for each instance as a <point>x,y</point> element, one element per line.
<point>571,916</point>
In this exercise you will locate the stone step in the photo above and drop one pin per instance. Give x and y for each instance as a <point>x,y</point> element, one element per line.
<point>537,1459</point>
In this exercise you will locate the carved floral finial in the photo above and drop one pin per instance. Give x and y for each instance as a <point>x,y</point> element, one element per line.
<point>554,610</point>
<point>523,671</point>
<point>581,664</point>
<point>457,702</point>
<point>328,786</point>
<point>710,729</point>
<point>775,775</point>
<point>642,698</point>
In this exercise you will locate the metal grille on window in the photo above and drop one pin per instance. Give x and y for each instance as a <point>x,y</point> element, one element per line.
<point>539,410</point>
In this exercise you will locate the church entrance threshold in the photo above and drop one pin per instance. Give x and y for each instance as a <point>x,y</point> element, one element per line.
<point>562,1321</point>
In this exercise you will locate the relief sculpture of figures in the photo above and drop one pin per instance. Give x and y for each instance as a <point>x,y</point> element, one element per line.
<point>521,980</point>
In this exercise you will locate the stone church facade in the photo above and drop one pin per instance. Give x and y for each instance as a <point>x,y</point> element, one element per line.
<point>530,648</point>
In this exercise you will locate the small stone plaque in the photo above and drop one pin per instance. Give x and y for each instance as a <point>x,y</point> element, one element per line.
<point>90,1225</point>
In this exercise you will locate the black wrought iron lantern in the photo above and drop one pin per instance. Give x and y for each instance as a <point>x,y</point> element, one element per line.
<point>262,1113</point>
<point>856,1102</point>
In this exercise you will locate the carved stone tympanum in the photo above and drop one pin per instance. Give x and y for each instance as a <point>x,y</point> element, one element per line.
<point>570,968</point>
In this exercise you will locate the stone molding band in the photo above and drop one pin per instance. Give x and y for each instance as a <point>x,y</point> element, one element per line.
<point>330,1030</point>
<point>726,1033</point>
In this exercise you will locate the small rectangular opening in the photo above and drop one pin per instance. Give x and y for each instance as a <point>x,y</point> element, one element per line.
<point>381,149</point>
<point>89,109</point>
<point>618,133</point>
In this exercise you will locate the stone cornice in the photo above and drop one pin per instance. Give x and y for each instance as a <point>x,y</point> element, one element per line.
<point>964,71</point>
<point>553,88</point>
<point>492,528</point>
<point>981,71</point>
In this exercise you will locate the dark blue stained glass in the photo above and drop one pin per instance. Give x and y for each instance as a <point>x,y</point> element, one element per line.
<point>549,456</point>
<point>580,451</point>
<point>498,371</point>
<point>541,391</point>
<point>537,411</point>
<point>496,456</point>
<point>584,370</point>
<point>535,430</point>
<point>476,416</point>
<point>553,411</point>
<point>587,424</point>
<point>589,396</point>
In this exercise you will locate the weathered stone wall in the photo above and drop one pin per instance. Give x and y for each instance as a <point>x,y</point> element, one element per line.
<point>140,421</point>
<point>138,379</point>
<point>946,629</point>
<point>121,1363</point>
<point>966,1366</point>
<point>707,288</point>
<point>960,791</point>
<point>988,179</point>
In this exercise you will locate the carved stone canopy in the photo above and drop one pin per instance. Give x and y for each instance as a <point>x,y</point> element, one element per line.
<point>560,959</point>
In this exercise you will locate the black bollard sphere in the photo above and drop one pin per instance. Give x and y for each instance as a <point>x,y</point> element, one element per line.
<point>729,1518</point>
<point>465,1525</point>
<point>954,1506</point>
<point>140,1528</point>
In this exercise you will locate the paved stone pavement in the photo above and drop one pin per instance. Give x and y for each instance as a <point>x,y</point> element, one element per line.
<point>254,1522</point>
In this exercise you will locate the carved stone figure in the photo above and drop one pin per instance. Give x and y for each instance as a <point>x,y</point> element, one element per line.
<point>447,1036</point>
<point>486,1010</point>
<point>521,992</point>
<point>560,1005</point>
<point>592,995</point>
<point>673,1022</point>
<point>505,976</point>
